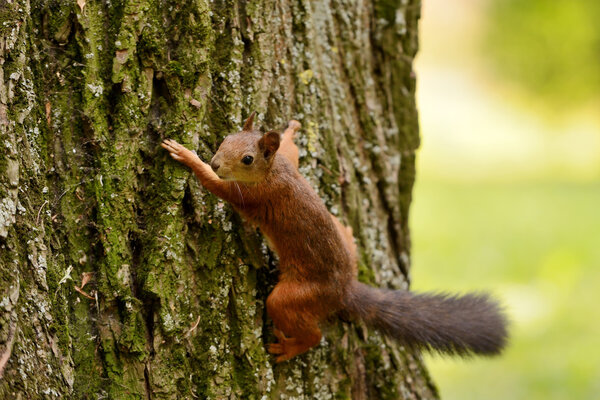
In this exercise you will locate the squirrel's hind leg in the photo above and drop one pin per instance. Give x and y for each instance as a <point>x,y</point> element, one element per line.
<point>296,328</point>
<point>287,348</point>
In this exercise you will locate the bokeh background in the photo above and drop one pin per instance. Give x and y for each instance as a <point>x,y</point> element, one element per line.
<point>508,189</point>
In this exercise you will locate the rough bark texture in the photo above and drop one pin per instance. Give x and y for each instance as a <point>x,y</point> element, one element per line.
<point>174,308</point>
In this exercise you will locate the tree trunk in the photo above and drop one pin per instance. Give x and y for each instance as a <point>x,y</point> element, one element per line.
<point>120,276</point>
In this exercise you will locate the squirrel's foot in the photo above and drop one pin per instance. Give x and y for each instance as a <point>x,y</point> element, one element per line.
<point>284,348</point>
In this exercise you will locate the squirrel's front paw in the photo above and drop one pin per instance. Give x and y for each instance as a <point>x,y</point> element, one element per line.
<point>178,152</point>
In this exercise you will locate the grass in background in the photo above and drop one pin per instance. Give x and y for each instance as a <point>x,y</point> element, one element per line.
<point>547,49</point>
<point>508,193</point>
<point>536,245</point>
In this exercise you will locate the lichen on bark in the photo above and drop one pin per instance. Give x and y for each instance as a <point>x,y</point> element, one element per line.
<point>175,305</point>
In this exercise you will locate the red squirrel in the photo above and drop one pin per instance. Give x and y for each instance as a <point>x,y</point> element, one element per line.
<point>258,174</point>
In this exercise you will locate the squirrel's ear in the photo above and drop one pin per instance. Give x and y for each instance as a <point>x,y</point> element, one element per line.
<point>248,123</point>
<point>269,143</point>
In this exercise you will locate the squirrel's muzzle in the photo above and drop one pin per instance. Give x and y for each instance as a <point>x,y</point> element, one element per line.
<point>214,165</point>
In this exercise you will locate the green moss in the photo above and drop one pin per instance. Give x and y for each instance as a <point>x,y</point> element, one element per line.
<point>181,282</point>
<point>133,335</point>
<point>9,14</point>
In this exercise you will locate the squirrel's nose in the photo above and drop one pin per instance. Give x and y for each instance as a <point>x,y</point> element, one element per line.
<point>214,165</point>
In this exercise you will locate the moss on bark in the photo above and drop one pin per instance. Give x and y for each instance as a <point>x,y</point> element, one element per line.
<point>175,304</point>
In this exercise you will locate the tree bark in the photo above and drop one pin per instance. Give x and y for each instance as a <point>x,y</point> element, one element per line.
<point>120,276</point>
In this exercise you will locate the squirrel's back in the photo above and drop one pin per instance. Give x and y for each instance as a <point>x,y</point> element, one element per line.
<point>296,222</point>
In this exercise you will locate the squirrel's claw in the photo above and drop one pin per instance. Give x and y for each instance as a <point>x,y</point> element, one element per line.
<point>171,145</point>
<point>276,348</point>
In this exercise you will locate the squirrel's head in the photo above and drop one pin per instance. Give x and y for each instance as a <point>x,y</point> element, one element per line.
<point>246,156</point>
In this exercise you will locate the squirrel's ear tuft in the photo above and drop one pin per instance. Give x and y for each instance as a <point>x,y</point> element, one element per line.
<point>248,123</point>
<point>269,143</point>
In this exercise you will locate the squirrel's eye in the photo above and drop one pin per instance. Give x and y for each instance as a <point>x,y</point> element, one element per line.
<point>247,160</point>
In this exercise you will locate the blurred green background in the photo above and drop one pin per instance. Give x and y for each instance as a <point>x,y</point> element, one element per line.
<point>508,189</point>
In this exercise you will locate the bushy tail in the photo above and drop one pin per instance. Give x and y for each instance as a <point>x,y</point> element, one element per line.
<point>463,325</point>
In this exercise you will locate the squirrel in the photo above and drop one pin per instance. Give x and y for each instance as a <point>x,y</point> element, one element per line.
<point>258,174</point>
